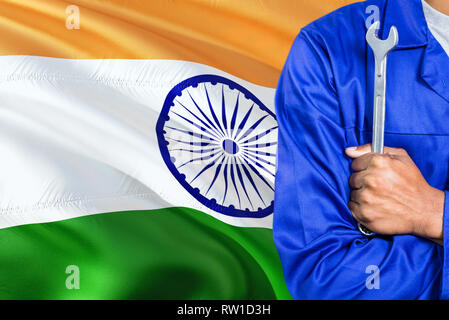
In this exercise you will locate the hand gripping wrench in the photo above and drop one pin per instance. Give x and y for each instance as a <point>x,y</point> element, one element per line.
<point>380,48</point>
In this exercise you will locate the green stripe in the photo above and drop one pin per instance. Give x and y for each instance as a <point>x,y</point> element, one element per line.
<point>174,253</point>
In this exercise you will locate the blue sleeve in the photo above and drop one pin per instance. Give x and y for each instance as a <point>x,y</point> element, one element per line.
<point>323,254</point>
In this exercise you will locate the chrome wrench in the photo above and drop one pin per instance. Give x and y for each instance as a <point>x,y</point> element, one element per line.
<point>380,48</point>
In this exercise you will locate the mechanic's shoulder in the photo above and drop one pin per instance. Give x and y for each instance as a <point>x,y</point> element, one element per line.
<point>345,24</point>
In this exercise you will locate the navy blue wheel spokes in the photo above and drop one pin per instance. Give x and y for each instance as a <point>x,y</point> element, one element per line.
<point>219,142</point>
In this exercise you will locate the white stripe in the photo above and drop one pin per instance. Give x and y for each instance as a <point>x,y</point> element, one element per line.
<point>78,137</point>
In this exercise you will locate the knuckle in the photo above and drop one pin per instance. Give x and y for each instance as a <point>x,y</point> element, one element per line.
<point>373,180</point>
<point>370,181</point>
<point>378,161</point>
<point>365,198</point>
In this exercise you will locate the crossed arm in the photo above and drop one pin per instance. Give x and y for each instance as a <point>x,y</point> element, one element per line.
<point>323,254</point>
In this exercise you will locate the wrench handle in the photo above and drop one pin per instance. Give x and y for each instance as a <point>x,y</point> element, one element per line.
<point>379,106</point>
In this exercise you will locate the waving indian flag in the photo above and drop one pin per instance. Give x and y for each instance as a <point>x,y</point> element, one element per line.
<point>138,147</point>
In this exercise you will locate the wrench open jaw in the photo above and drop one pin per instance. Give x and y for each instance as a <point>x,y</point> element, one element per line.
<point>380,48</point>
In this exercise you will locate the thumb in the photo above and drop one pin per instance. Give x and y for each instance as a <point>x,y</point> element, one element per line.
<point>358,151</point>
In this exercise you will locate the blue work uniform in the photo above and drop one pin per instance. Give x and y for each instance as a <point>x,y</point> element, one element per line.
<point>324,104</point>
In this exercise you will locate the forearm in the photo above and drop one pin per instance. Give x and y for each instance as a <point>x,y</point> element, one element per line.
<point>429,223</point>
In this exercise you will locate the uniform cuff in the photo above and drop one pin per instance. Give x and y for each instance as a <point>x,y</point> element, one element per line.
<point>445,275</point>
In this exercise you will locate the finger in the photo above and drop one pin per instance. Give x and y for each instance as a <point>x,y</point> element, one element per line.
<point>363,162</point>
<point>357,179</point>
<point>355,196</point>
<point>356,152</point>
<point>354,208</point>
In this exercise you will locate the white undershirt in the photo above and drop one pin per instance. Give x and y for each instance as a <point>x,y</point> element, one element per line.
<point>438,24</point>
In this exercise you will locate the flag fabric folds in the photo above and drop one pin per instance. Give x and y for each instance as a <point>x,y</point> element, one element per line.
<point>138,147</point>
